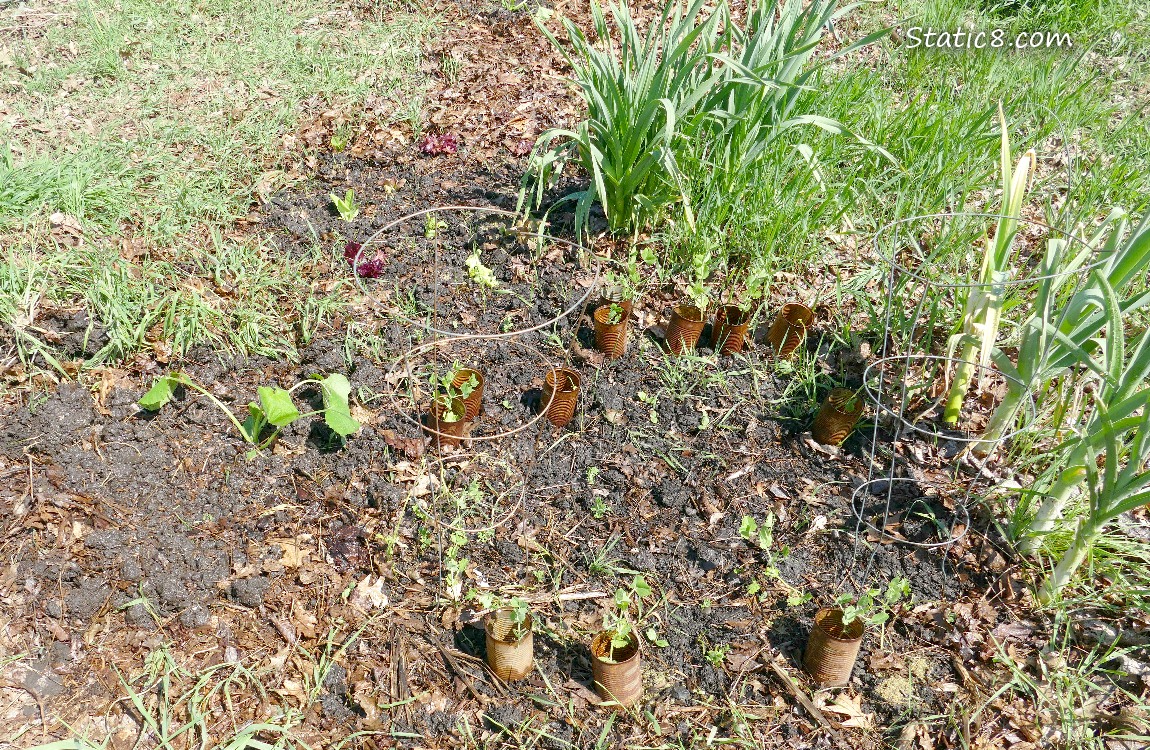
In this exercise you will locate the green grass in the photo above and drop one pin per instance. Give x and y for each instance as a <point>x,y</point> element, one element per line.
<point>161,116</point>
<point>933,111</point>
<point>159,123</point>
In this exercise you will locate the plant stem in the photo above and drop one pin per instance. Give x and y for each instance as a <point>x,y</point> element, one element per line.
<point>1000,421</point>
<point>961,384</point>
<point>189,383</point>
<point>1087,534</point>
<point>1052,506</point>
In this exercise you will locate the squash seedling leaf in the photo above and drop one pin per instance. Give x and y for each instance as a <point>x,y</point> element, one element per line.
<point>279,409</point>
<point>160,393</point>
<point>340,422</point>
<point>337,413</point>
<point>254,424</point>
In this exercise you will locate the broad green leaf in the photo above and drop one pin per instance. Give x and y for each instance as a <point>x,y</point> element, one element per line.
<point>279,409</point>
<point>340,422</point>
<point>160,393</point>
<point>337,413</point>
<point>254,424</point>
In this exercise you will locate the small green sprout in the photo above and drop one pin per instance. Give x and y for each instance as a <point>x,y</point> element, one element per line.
<point>432,226</point>
<point>874,607</point>
<point>275,407</point>
<point>760,534</point>
<point>346,205</point>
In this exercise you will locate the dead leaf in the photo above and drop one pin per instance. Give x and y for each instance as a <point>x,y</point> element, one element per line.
<point>368,594</point>
<point>743,662</point>
<point>1016,631</point>
<point>66,229</point>
<point>294,689</point>
<point>850,707</point>
<point>884,661</point>
<point>408,447</point>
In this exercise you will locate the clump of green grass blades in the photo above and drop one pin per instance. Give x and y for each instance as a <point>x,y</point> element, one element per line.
<point>698,88</point>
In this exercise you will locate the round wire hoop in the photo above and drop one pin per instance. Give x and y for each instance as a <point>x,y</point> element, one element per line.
<point>455,334</point>
<point>858,508</point>
<point>392,375</point>
<point>940,434</point>
<point>913,273</point>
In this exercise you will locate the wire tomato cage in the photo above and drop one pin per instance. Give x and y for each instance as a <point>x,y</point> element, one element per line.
<point>927,259</point>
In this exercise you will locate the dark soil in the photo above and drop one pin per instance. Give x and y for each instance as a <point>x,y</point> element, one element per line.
<point>158,520</point>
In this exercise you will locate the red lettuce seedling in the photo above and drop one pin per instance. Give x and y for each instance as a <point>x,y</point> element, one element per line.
<point>433,145</point>
<point>366,269</point>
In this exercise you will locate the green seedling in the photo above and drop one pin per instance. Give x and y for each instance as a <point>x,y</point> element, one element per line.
<point>346,205</point>
<point>654,637</point>
<point>717,655</point>
<point>762,535</point>
<point>432,226</point>
<point>756,533</point>
<point>874,607</point>
<point>445,391</point>
<point>339,139</point>
<point>617,622</point>
<point>598,508</point>
<point>275,407</point>
<point>480,273</point>
<point>614,314</point>
<point>652,401</point>
<point>519,610</point>
<point>702,266</point>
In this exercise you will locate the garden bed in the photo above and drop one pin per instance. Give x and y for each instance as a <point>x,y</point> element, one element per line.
<point>159,521</point>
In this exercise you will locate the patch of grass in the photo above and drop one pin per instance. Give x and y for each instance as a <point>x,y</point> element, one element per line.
<point>933,110</point>
<point>238,294</point>
<point>1067,678</point>
<point>160,123</point>
<point>160,116</point>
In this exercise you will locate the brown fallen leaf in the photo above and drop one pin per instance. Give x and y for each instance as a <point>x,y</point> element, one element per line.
<point>850,707</point>
<point>885,660</point>
<point>408,447</point>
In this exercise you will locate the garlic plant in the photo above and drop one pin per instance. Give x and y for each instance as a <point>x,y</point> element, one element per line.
<point>1111,459</point>
<point>984,302</point>
<point>1068,316</point>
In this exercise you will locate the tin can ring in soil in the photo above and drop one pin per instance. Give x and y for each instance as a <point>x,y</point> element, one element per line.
<point>837,416</point>
<point>621,678</point>
<point>729,330</point>
<point>510,658</point>
<point>790,328</point>
<point>404,403</point>
<point>443,431</point>
<point>832,648</point>
<point>560,395</point>
<point>610,338</point>
<point>474,400</point>
<point>684,329</point>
